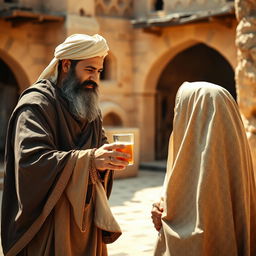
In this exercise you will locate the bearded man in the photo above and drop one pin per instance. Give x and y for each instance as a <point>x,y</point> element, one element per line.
<point>58,165</point>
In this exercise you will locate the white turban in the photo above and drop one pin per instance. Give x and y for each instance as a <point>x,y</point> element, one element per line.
<point>75,47</point>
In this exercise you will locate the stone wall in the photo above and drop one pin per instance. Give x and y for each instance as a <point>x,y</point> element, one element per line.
<point>137,57</point>
<point>147,8</point>
<point>191,5</point>
<point>27,48</point>
<point>114,8</point>
<point>246,68</point>
<point>151,55</point>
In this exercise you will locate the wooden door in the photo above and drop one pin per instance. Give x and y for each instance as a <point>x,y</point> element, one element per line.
<point>165,101</point>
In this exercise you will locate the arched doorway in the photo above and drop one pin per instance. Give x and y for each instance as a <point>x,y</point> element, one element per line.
<point>109,68</point>
<point>112,119</point>
<point>197,63</point>
<point>8,99</point>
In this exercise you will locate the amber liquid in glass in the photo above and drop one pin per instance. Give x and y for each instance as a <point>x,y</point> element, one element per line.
<point>127,149</point>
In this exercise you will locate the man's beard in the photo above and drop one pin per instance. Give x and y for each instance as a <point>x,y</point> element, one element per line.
<point>83,102</point>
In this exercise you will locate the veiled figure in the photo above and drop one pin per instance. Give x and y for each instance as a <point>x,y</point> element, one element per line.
<point>208,202</point>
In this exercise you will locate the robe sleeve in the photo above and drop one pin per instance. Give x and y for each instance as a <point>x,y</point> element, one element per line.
<point>76,189</point>
<point>38,163</point>
<point>104,137</point>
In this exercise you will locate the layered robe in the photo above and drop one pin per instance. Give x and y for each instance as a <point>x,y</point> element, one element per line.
<point>51,203</point>
<point>209,195</point>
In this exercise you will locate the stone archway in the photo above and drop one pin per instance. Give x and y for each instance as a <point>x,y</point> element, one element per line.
<point>113,114</point>
<point>112,119</point>
<point>13,79</point>
<point>8,99</point>
<point>197,63</point>
<point>14,64</point>
<point>109,68</point>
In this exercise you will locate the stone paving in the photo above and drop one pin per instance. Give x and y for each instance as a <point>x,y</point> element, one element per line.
<point>131,202</point>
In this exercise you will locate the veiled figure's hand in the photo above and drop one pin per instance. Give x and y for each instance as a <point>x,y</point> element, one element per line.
<point>156,215</point>
<point>107,158</point>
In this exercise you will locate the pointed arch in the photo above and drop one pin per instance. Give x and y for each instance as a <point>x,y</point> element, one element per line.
<point>109,68</point>
<point>114,111</point>
<point>196,63</point>
<point>19,73</point>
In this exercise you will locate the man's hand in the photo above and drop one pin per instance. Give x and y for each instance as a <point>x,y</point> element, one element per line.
<point>107,158</point>
<point>156,214</point>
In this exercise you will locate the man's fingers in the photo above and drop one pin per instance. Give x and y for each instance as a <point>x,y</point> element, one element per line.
<point>106,157</point>
<point>116,161</point>
<point>110,153</point>
<point>116,167</point>
<point>113,146</point>
<point>116,154</point>
<point>117,158</point>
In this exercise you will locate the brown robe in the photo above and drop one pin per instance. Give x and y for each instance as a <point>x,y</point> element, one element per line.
<point>51,206</point>
<point>209,195</point>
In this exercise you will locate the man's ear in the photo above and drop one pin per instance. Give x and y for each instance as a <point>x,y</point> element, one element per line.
<point>65,65</point>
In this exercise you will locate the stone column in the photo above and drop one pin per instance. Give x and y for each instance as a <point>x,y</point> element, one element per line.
<point>246,68</point>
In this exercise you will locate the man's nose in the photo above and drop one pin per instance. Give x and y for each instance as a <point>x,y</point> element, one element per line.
<point>94,76</point>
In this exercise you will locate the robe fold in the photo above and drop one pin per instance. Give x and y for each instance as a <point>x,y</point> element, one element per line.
<point>50,205</point>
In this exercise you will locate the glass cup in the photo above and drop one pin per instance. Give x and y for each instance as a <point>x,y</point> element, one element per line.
<point>126,139</point>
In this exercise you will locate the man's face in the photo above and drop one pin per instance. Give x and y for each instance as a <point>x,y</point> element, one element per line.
<point>89,70</point>
<point>80,87</point>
